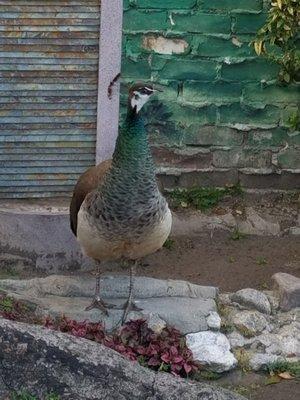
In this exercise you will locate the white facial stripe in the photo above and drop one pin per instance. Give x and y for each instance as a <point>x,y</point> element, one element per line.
<point>139,100</point>
<point>150,89</point>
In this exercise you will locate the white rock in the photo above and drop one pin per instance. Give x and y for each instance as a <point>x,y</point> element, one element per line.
<point>286,342</point>
<point>214,321</point>
<point>259,360</point>
<point>156,323</point>
<point>249,323</point>
<point>252,298</point>
<point>212,350</point>
<point>237,340</point>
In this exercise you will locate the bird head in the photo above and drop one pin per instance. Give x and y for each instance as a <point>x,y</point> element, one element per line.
<point>139,94</point>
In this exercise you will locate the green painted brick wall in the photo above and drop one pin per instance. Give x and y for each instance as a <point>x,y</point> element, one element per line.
<point>222,110</point>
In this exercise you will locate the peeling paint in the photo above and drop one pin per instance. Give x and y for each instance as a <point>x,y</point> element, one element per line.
<point>162,45</point>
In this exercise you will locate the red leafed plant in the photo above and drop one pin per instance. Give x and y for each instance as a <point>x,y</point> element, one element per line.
<point>15,310</point>
<point>166,351</point>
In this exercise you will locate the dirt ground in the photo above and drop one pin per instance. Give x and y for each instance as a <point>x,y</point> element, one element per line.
<point>281,391</point>
<point>223,262</point>
<point>232,263</point>
<point>219,260</point>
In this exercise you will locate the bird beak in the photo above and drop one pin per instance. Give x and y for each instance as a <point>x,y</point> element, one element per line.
<point>157,89</point>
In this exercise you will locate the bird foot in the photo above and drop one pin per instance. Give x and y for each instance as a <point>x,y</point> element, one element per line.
<point>127,307</point>
<point>100,305</point>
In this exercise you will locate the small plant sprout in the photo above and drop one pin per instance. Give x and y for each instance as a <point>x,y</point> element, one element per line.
<point>261,261</point>
<point>202,198</point>
<point>237,235</point>
<point>169,244</point>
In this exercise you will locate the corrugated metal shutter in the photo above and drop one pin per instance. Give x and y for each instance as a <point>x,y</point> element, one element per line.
<point>48,94</point>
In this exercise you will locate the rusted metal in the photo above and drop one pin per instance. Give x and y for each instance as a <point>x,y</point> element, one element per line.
<point>49,54</point>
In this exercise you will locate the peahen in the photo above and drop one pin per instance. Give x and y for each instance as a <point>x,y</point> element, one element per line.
<point>117,211</point>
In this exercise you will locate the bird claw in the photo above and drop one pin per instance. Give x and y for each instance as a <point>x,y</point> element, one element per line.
<point>127,307</point>
<point>100,305</point>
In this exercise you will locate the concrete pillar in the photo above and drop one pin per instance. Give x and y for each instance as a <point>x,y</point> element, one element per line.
<point>109,66</point>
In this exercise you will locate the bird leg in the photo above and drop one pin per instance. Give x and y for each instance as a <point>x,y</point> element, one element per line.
<point>97,301</point>
<point>130,305</point>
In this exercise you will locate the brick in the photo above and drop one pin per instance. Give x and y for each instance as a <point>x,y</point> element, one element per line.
<point>182,158</point>
<point>166,4</point>
<point>286,180</point>
<point>290,180</point>
<point>201,23</point>
<point>256,180</point>
<point>126,4</point>
<point>268,116</point>
<point>167,181</point>
<point>185,69</point>
<point>137,69</point>
<point>248,23</point>
<point>213,178</point>
<point>230,5</point>
<point>289,158</point>
<point>211,135</point>
<point>186,114</point>
<point>267,138</point>
<point>133,45</point>
<point>170,91</point>
<point>294,138</point>
<point>144,21</point>
<point>210,46</point>
<point>252,70</point>
<point>208,93</point>
<point>272,94</point>
<point>241,158</point>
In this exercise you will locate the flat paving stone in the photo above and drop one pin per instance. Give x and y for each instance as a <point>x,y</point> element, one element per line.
<point>180,304</point>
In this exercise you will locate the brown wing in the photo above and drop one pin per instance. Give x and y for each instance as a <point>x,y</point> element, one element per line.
<point>87,182</point>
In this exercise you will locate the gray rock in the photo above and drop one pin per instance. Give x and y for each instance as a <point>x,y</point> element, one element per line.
<point>42,361</point>
<point>213,321</point>
<point>237,340</point>
<point>224,299</point>
<point>285,342</point>
<point>288,287</point>
<point>255,224</point>
<point>155,323</point>
<point>259,360</point>
<point>112,287</point>
<point>212,350</point>
<point>178,303</point>
<point>249,323</point>
<point>273,300</point>
<point>294,230</point>
<point>252,298</point>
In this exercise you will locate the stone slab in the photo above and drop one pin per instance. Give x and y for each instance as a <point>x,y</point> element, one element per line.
<point>80,369</point>
<point>180,304</point>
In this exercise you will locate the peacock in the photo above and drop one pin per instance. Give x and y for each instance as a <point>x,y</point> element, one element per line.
<point>117,211</point>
